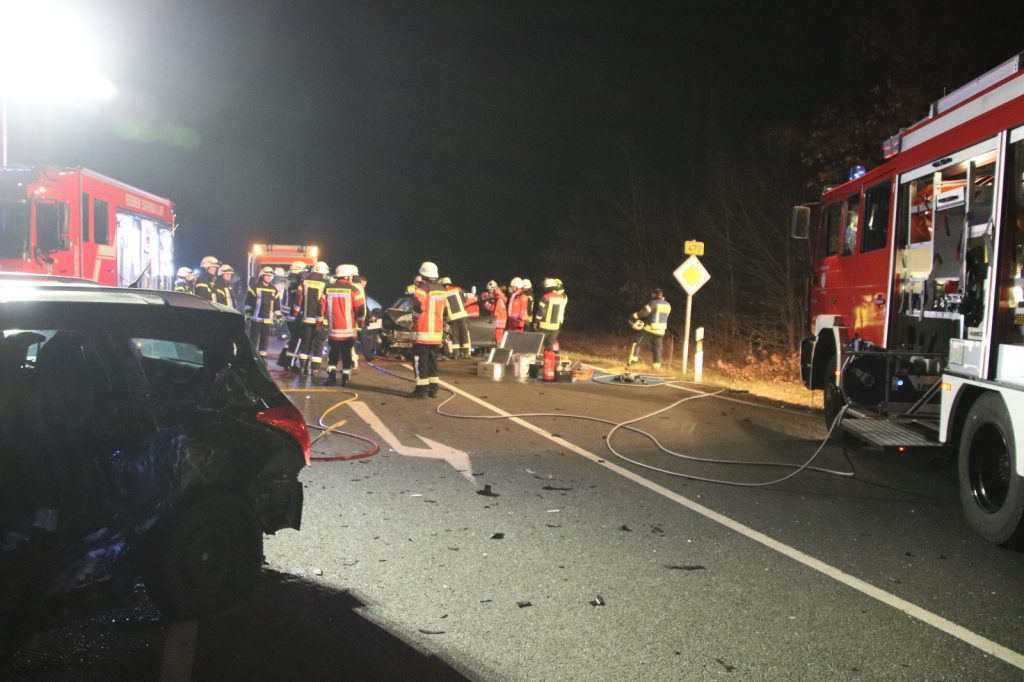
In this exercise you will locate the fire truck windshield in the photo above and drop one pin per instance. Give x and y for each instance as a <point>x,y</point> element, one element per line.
<point>14,227</point>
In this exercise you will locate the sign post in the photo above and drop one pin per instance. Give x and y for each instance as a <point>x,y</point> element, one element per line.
<point>691,275</point>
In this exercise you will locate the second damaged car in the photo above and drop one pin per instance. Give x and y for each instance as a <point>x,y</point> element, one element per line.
<point>140,436</point>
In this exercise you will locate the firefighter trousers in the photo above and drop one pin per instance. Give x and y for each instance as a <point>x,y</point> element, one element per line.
<point>646,337</point>
<point>259,335</point>
<point>460,334</point>
<point>424,363</point>
<point>340,349</point>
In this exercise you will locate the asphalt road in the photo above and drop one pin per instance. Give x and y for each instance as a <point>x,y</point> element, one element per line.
<point>505,548</point>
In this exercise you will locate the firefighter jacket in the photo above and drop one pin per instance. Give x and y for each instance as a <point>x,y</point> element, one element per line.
<point>290,304</point>
<point>222,293</point>
<point>428,304</point>
<point>311,290</point>
<point>184,286</point>
<point>344,308</point>
<point>655,316</point>
<point>454,302</point>
<point>204,286</point>
<point>519,307</point>
<point>550,311</point>
<point>495,305</point>
<point>264,302</point>
<point>361,318</point>
<point>530,304</point>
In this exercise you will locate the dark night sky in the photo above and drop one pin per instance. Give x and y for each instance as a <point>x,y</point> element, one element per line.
<point>461,132</point>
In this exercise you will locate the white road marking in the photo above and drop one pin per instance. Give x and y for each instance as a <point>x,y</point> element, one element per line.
<point>947,626</point>
<point>434,450</point>
<point>179,651</point>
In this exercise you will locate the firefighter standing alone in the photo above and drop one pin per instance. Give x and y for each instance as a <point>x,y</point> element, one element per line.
<point>651,321</point>
<point>550,312</point>
<point>428,331</point>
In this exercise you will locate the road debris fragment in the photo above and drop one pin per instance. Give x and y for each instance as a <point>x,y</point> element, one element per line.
<point>498,536</point>
<point>685,567</point>
<point>487,492</point>
<point>597,601</point>
<point>524,604</point>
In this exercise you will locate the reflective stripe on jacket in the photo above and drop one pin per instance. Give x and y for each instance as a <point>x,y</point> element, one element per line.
<point>343,306</point>
<point>550,311</point>
<point>454,303</point>
<point>655,316</point>
<point>428,314</point>
<point>519,307</point>
<point>264,302</point>
<point>310,291</point>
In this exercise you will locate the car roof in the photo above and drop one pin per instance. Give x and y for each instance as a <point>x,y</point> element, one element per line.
<point>70,290</point>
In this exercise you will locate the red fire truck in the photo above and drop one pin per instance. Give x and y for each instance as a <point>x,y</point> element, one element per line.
<point>917,298</point>
<point>77,223</point>
<point>280,256</point>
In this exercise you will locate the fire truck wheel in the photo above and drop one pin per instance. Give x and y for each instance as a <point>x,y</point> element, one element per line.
<point>206,558</point>
<point>991,492</point>
<point>833,401</point>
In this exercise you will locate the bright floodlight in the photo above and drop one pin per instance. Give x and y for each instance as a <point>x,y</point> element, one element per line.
<point>47,53</point>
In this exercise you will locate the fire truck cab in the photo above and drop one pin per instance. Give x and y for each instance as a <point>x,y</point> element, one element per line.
<point>280,256</point>
<point>915,300</point>
<point>74,222</point>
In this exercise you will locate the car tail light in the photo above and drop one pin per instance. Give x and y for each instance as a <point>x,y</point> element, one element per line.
<point>291,421</point>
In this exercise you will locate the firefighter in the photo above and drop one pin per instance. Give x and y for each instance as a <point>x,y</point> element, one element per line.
<point>495,304</point>
<point>550,312</point>
<point>206,280</point>
<point>290,306</point>
<point>311,339</point>
<point>428,331</point>
<point>185,281</point>
<point>651,321</point>
<point>222,290</point>
<point>517,306</point>
<point>262,309</point>
<point>458,318</point>
<point>530,302</point>
<point>343,307</point>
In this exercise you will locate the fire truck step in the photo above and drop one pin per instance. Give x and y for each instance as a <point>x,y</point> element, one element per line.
<point>888,434</point>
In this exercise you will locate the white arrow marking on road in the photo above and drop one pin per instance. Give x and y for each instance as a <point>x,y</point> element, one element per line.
<point>434,450</point>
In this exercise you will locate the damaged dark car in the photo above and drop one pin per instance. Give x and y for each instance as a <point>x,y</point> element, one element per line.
<point>140,438</point>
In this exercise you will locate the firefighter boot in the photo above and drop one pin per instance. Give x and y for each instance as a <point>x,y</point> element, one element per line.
<point>419,392</point>
<point>432,391</point>
<point>344,377</point>
<point>332,378</point>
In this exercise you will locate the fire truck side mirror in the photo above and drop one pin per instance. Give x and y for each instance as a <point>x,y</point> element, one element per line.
<point>800,224</point>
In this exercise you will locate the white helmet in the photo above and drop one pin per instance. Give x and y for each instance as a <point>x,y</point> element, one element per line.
<point>428,270</point>
<point>549,283</point>
<point>322,268</point>
<point>266,270</point>
<point>492,285</point>
<point>516,282</point>
<point>346,270</point>
<point>184,271</point>
<point>225,269</point>
<point>527,284</point>
<point>297,267</point>
<point>279,272</point>
<point>445,280</point>
<point>209,262</point>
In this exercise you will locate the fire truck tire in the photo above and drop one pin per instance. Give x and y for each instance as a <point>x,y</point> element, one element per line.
<point>991,492</point>
<point>206,559</point>
<point>833,399</point>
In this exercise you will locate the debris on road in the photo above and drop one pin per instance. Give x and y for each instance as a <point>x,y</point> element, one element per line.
<point>524,604</point>
<point>432,632</point>
<point>685,567</point>
<point>554,487</point>
<point>498,536</point>
<point>728,668</point>
<point>598,601</point>
<point>626,528</point>
<point>487,492</point>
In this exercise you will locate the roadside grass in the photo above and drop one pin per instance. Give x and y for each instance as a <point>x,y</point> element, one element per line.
<point>770,375</point>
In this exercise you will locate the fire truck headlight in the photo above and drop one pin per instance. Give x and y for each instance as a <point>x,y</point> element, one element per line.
<point>257,249</point>
<point>314,252</point>
<point>1017,294</point>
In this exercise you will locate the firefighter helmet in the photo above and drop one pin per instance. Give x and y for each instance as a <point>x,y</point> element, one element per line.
<point>516,282</point>
<point>527,284</point>
<point>279,272</point>
<point>550,283</point>
<point>445,280</point>
<point>209,262</point>
<point>558,283</point>
<point>492,285</point>
<point>428,270</point>
<point>184,271</point>
<point>346,270</point>
<point>322,268</point>
<point>266,270</point>
<point>225,269</point>
<point>297,267</point>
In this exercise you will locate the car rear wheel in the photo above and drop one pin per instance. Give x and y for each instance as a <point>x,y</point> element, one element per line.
<point>206,558</point>
<point>991,491</point>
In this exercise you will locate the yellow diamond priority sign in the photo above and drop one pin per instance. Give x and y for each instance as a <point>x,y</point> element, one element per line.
<point>691,275</point>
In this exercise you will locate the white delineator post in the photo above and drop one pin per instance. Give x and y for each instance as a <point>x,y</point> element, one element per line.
<point>698,356</point>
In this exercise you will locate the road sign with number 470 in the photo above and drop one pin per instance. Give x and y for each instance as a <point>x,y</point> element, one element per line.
<point>692,247</point>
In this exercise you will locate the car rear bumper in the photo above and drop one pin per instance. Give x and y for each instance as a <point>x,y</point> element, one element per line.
<point>279,505</point>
